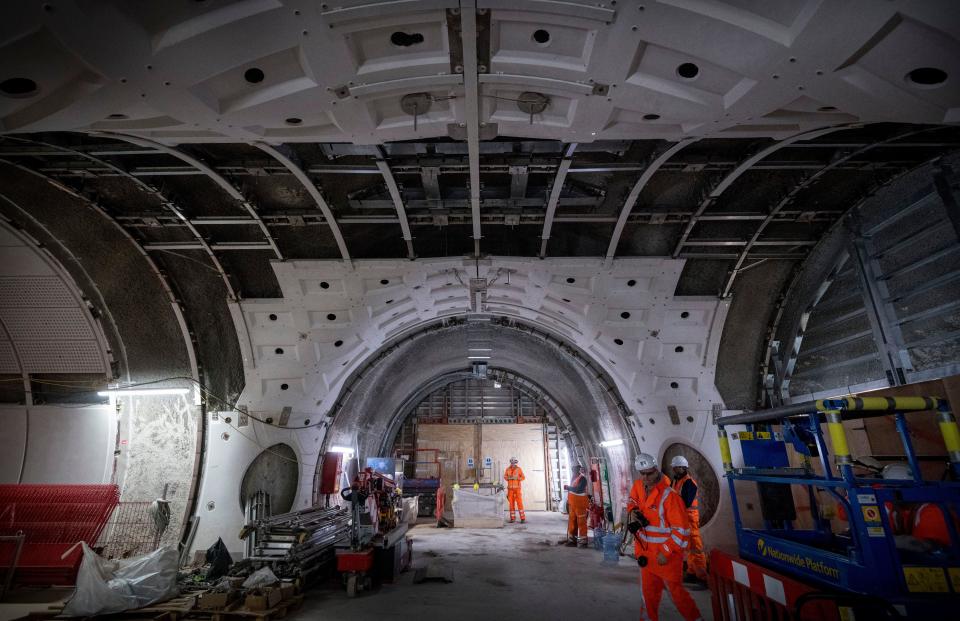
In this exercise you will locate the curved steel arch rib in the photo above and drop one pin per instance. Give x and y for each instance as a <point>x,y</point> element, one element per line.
<point>140,183</point>
<point>314,193</point>
<point>737,172</point>
<point>792,194</point>
<point>206,170</point>
<point>631,201</point>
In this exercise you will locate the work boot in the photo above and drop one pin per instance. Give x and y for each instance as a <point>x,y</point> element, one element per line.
<point>582,544</point>
<point>571,543</point>
<point>523,520</point>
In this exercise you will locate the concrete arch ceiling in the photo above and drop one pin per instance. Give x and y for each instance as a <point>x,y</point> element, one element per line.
<point>369,415</point>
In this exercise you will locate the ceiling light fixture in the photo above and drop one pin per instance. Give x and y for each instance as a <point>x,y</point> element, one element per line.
<point>609,443</point>
<point>144,392</point>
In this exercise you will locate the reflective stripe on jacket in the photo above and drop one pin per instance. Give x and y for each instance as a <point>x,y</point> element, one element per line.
<point>513,475</point>
<point>669,525</point>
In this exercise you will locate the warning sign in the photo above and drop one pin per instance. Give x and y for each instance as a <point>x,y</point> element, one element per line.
<point>925,580</point>
<point>871,513</point>
<point>763,435</point>
<point>875,531</point>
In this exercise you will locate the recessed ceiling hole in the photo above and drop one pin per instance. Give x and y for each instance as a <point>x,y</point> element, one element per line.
<point>651,117</point>
<point>653,422</point>
<point>293,121</point>
<point>631,283</point>
<point>688,71</point>
<point>570,281</point>
<point>273,317</point>
<point>684,315</point>
<point>117,117</point>
<point>674,385</point>
<point>331,317</point>
<point>389,301</point>
<point>278,351</point>
<point>618,341</point>
<point>689,419</point>
<point>253,75</point>
<point>927,76</point>
<point>406,39</point>
<point>284,386</point>
<point>18,87</point>
<point>324,284</point>
<point>269,420</point>
<point>678,349</point>
<point>384,281</point>
<point>541,36</point>
<point>228,420</point>
<point>306,422</point>
<point>625,315</point>
<point>826,109</point>
<point>566,300</point>
<point>792,59</point>
<point>337,343</point>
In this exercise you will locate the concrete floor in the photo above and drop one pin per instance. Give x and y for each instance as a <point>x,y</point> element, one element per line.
<point>517,572</point>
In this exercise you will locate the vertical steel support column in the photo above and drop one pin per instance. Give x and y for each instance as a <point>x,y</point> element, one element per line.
<point>901,422</point>
<point>886,333</point>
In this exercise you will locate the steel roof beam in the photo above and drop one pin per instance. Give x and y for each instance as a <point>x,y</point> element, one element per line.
<point>397,201</point>
<point>737,172</point>
<point>645,177</point>
<point>214,176</point>
<point>471,86</point>
<point>792,195</point>
<point>167,203</point>
<point>297,171</point>
<point>554,199</point>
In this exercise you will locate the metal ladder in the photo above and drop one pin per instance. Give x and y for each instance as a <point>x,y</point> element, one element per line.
<point>558,468</point>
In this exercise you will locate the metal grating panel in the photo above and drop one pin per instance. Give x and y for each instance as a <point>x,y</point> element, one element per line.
<point>20,291</point>
<point>46,324</point>
<point>61,357</point>
<point>8,358</point>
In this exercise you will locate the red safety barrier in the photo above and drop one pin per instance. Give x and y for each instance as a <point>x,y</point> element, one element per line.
<point>744,591</point>
<point>53,519</point>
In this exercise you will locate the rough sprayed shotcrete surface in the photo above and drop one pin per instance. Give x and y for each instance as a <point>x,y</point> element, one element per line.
<point>161,451</point>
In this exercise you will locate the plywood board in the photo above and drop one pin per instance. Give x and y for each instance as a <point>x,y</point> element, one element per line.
<point>526,443</point>
<point>455,443</point>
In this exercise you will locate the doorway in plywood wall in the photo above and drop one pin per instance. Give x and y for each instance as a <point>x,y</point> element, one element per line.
<point>479,453</point>
<point>467,430</point>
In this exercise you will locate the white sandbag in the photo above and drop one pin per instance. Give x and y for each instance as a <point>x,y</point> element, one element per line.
<point>114,586</point>
<point>260,578</point>
<point>411,508</point>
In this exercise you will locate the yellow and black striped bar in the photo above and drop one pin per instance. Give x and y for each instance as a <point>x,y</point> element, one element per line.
<point>885,404</point>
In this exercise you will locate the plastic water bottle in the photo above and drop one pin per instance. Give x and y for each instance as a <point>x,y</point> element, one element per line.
<point>611,548</point>
<point>598,534</point>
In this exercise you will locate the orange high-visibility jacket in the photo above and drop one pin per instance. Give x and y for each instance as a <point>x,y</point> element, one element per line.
<point>669,528</point>
<point>678,488</point>
<point>513,475</point>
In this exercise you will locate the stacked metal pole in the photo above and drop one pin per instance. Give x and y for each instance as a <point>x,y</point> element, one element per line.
<point>298,544</point>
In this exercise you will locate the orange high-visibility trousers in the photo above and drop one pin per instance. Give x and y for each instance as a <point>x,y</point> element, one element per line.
<point>654,578</point>
<point>515,500</point>
<point>577,521</point>
<point>696,559</point>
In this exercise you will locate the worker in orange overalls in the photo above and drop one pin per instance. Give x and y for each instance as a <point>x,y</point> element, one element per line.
<point>577,501</point>
<point>658,520</point>
<point>686,486</point>
<point>514,477</point>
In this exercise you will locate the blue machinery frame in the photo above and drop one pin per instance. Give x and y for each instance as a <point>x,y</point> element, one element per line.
<point>866,560</point>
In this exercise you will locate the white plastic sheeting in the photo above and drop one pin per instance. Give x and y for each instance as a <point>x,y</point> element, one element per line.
<point>477,509</point>
<point>105,587</point>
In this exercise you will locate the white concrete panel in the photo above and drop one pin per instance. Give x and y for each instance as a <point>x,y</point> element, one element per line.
<point>70,444</point>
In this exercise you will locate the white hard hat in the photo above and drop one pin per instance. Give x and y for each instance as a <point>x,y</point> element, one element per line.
<point>679,462</point>
<point>513,460</point>
<point>644,461</point>
<point>898,471</point>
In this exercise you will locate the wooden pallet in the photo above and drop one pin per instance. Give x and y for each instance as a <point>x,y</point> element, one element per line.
<point>170,610</point>
<point>237,612</point>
